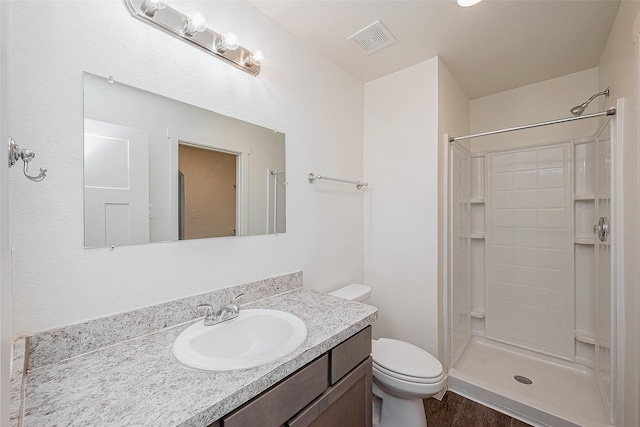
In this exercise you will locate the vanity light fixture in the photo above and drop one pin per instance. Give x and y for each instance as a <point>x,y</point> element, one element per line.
<point>193,29</point>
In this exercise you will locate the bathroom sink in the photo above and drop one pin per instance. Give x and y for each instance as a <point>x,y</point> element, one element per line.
<point>254,338</point>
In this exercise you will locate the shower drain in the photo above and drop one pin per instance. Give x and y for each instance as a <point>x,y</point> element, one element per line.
<point>523,380</point>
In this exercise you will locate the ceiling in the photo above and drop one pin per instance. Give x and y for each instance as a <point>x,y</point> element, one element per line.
<point>494,46</point>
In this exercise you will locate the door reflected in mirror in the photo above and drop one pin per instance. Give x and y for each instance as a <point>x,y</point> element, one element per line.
<point>157,169</point>
<point>206,193</point>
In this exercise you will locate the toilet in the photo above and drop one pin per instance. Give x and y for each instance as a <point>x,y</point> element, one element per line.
<point>403,374</point>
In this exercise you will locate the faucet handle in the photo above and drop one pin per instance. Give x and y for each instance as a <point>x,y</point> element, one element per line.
<point>210,315</point>
<point>237,297</point>
<point>209,308</point>
<point>233,308</point>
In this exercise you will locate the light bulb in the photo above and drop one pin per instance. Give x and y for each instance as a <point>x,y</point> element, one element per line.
<point>231,41</point>
<point>196,23</point>
<point>228,41</point>
<point>150,7</point>
<point>160,4</point>
<point>467,3</point>
<point>253,59</point>
<point>257,58</point>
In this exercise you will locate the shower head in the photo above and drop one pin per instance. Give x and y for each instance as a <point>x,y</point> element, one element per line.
<point>579,109</point>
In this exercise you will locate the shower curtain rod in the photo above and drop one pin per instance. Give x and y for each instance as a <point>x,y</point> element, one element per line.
<point>610,112</point>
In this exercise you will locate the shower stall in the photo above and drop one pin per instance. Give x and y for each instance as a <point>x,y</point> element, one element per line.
<point>531,290</point>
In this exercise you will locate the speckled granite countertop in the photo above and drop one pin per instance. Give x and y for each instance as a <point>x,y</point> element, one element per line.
<point>139,383</point>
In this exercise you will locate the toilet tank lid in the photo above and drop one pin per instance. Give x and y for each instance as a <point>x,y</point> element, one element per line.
<point>353,292</point>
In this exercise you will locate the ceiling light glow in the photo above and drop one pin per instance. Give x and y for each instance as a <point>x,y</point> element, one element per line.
<point>467,3</point>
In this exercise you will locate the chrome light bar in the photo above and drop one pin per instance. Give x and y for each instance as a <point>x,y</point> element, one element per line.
<point>193,29</point>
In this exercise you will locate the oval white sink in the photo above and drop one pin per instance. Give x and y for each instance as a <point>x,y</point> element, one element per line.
<point>252,339</point>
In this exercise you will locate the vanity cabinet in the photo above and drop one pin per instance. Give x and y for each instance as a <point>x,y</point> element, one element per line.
<point>335,389</point>
<point>347,403</point>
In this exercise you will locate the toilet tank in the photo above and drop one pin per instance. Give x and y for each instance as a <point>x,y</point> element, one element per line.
<point>354,292</point>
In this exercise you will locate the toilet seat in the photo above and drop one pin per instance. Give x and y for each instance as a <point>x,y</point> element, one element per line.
<point>408,378</point>
<point>407,389</point>
<point>406,362</point>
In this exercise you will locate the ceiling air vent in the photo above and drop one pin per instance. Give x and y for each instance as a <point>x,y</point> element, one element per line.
<point>372,38</point>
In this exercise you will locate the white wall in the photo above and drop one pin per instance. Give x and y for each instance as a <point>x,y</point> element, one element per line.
<point>453,106</point>
<point>5,244</point>
<point>401,207</point>
<point>618,69</point>
<point>539,102</point>
<point>318,106</point>
<point>453,119</point>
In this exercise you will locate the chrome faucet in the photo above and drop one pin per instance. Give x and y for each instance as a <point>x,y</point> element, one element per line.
<point>222,314</point>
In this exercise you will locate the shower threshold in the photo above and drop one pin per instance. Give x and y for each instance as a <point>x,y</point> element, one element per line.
<point>558,393</point>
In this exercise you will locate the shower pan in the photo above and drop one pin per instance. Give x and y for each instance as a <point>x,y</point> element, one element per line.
<point>531,284</point>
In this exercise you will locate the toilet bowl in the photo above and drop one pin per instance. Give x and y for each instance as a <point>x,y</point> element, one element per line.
<point>403,374</point>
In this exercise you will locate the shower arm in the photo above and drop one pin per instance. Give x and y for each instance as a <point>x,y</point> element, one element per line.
<point>604,92</point>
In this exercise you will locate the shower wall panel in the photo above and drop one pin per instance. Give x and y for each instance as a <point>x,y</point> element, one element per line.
<point>529,241</point>
<point>460,237</point>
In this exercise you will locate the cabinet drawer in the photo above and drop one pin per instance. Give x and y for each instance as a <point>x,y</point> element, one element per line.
<point>282,401</point>
<point>349,354</point>
<point>347,403</point>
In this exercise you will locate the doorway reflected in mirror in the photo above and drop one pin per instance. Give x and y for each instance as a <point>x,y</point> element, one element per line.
<point>207,192</point>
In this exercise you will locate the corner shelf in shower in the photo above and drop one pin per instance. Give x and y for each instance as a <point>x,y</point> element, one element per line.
<point>585,208</point>
<point>584,240</point>
<point>477,195</point>
<point>585,337</point>
<point>478,313</point>
<point>588,241</point>
<point>477,249</point>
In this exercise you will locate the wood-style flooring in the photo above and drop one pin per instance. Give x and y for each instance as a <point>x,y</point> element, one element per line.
<point>455,410</point>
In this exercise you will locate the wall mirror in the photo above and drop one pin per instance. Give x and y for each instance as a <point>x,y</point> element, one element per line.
<point>157,169</point>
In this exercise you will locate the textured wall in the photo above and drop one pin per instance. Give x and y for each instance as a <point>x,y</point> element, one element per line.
<point>317,105</point>
<point>5,244</point>
<point>401,213</point>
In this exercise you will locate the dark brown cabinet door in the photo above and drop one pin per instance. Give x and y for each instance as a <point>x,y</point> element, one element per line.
<point>349,354</point>
<point>347,403</point>
<point>281,402</point>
